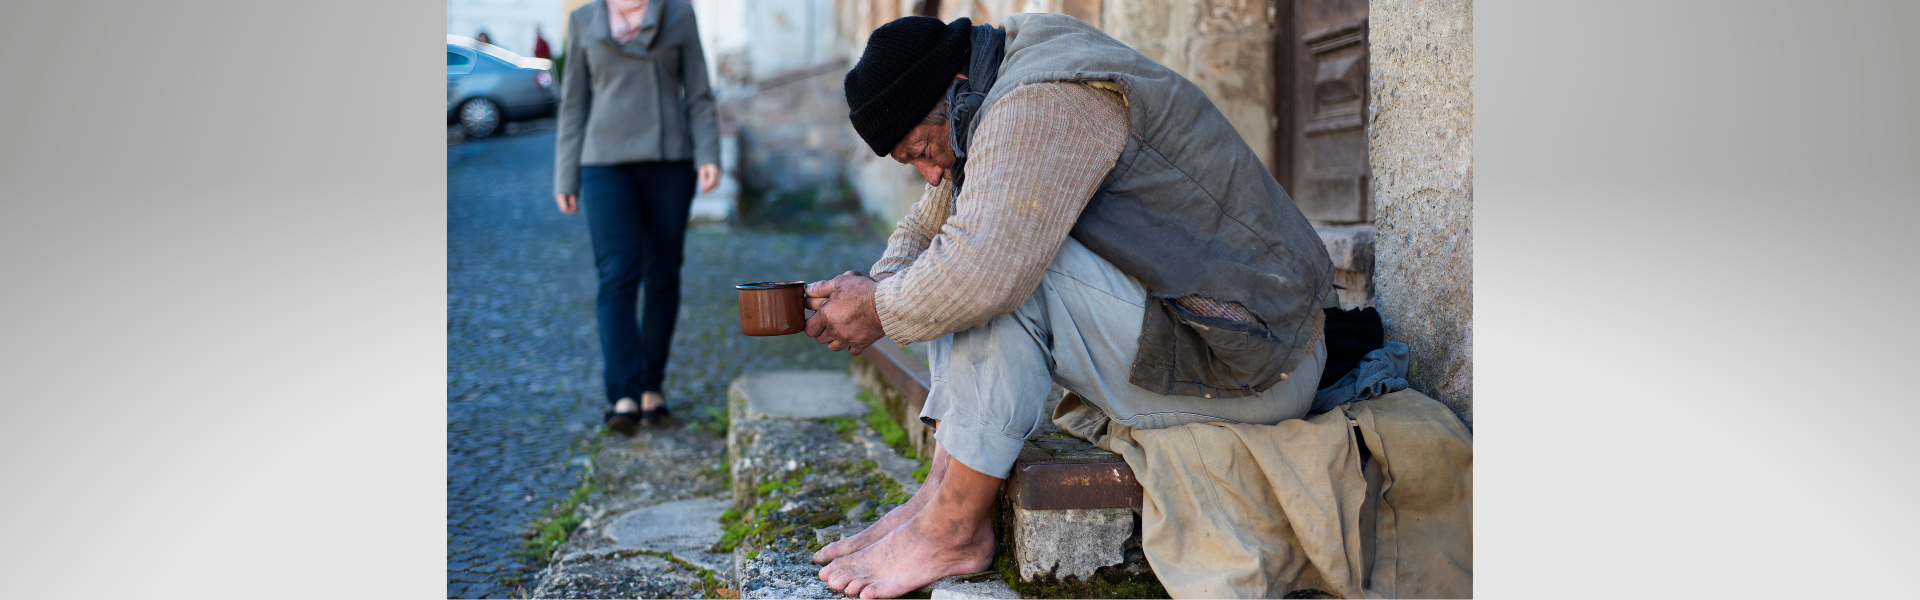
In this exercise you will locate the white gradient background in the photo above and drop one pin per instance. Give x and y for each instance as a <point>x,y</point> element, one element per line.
<point>1694,292</point>
<point>222,358</point>
<point>222,226</point>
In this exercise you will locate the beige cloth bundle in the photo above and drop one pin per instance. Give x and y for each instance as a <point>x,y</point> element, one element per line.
<point>1256,511</point>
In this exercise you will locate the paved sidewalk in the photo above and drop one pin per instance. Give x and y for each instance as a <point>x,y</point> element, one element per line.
<point>523,358</point>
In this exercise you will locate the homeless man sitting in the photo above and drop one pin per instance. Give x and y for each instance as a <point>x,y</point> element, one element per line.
<point>1092,220</point>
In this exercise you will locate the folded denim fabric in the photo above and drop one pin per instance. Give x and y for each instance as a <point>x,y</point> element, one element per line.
<point>1382,371</point>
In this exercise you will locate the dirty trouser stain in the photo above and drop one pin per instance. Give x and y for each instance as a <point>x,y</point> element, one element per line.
<point>1079,329</point>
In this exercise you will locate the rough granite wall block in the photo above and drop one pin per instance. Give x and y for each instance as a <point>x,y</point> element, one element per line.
<point>1071,542</point>
<point>1420,143</point>
<point>1223,46</point>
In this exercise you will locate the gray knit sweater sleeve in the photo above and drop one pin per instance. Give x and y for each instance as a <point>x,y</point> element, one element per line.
<point>917,229</point>
<point>1037,158</point>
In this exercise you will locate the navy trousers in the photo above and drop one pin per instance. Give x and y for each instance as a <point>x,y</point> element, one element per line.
<point>637,213</point>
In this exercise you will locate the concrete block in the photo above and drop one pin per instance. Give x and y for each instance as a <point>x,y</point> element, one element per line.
<point>1071,542</point>
<point>615,574</point>
<point>968,587</point>
<point>773,432</point>
<point>684,529</point>
<point>1351,248</point>
<point>799,395</point>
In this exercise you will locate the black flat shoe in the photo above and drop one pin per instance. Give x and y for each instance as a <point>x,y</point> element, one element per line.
<point>656,417</point>
<point>625,422</point>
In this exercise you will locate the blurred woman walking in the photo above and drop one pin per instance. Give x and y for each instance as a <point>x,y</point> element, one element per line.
<point>636,115</point>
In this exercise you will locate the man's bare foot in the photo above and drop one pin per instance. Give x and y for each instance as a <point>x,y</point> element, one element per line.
<point>928,547</point>
<point>893,519</point>
<point>951,535</point>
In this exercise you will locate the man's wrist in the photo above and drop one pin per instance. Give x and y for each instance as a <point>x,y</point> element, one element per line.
<point>884,295</point>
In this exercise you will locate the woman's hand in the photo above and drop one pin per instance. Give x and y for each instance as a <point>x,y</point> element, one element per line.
<point>709,177</point>
<point>569,203</point>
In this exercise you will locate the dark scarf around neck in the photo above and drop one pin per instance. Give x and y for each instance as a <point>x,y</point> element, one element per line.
<point>965,95</point>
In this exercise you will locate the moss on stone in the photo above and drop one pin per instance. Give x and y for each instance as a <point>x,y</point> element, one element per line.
<point>883,423</point>
<point>551,529</point>
<point>1108,582</point>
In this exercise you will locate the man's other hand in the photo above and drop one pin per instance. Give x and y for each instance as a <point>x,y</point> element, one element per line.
<point>569,203</point>
<point>844,316</point>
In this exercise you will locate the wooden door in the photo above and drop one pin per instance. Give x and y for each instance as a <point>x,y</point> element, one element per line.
<point>1320,100</point>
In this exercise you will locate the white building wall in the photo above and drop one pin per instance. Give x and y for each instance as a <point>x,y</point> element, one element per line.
<point>509,23</point>
<point>723,38</point>
<point>789,34</point>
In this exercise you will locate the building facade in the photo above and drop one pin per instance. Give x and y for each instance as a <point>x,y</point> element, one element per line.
<point>509,23</point>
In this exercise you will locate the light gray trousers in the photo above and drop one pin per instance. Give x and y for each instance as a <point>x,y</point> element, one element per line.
<point>1079,329</point>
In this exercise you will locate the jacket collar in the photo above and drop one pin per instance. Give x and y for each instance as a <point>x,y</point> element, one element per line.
<point>602,27</point>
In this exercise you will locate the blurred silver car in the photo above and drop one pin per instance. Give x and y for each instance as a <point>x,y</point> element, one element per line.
<point>488,86</point>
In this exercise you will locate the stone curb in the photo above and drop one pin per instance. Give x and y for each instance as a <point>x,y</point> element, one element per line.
<point>763,443</point>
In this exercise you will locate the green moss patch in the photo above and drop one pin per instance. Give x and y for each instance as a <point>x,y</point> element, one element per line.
<point>1108,582</point>
<point>889,429</point>
<point>560,518</point>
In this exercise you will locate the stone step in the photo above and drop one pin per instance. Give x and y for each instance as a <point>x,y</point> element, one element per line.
<point>1070,508</point>
<point>1351,248</point>
<point>782,425</point>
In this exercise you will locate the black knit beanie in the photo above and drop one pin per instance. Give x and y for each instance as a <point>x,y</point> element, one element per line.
<point>903,73</point>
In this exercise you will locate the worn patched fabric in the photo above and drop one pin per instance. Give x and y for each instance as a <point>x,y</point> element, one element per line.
<point>1189,209</point>
<point>1374,500</point>
<point>1179,201</point>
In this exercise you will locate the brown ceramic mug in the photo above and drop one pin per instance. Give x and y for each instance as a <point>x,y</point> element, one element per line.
<point>773,307</point>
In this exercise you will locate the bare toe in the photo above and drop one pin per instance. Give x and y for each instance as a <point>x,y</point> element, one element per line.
<point>840,578</point>
<point>857,585</point>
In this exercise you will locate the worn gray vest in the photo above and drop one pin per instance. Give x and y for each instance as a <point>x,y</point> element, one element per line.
<point>1188,209</point>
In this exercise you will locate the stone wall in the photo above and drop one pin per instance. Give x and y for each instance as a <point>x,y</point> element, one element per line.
<point>1420,142</point>
<point>794,133</point>
<point>1223,46</point>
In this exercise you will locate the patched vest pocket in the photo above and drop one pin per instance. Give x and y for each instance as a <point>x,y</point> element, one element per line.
<point>1239,359</point>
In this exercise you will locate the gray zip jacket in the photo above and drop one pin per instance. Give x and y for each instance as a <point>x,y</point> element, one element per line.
<point>646,100</point>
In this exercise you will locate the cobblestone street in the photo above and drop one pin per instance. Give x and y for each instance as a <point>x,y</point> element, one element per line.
<point>523,360</point>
